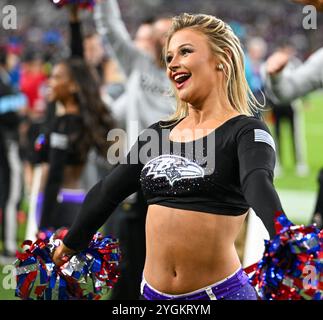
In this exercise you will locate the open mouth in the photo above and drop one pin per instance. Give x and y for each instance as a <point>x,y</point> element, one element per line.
<point>49,92</point>
<point>180,79</point>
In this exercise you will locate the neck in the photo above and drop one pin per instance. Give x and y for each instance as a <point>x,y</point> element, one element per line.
<point>70,106</point>
<point>216,106</point>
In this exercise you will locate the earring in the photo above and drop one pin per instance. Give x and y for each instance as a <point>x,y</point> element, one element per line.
<point>220,67</point>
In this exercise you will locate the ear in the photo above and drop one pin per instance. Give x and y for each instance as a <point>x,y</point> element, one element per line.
<point>227,56</point>
<point>228,52</point>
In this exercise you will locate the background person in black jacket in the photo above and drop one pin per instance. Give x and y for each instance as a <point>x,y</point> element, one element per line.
<point>10,166</point>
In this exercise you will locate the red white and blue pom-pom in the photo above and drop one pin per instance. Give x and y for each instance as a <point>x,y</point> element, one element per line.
<point>292,264</point>
<point>86,276</point>
<point>82,4</point>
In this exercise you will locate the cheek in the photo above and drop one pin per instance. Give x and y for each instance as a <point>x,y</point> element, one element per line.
<point>204,77</point>
<point>60,89</point>
<point>202,67</point>
<point>168,73</point>
<point>55,85</point>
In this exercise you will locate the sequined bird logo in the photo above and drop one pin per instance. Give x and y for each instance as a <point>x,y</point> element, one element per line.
<point>173,168</point>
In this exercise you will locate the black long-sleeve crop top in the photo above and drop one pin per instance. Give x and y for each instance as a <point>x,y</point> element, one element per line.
<point>226,172</point>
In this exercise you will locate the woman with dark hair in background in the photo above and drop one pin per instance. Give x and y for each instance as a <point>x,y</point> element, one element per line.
<point>84,122</point>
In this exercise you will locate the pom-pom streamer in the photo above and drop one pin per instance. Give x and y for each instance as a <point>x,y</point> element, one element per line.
<point>292,264</point>
<point>87,275</point>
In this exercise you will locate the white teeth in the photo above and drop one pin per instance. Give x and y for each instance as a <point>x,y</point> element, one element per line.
<point>178,76</point>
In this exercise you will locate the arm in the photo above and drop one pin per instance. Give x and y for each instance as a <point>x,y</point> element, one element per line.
<point>98,205</point>
<point>256,153</point>
<point>110,26</point>
<point>12,103</point>
<point>10,100</point>
<point>104,197</point>
<point>100,202</point>
<point>297,83</point>
<point>76,38</point>
<point>265,202</point>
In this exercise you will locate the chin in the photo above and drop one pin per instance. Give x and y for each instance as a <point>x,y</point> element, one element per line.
<point>184,97</point>
<point>188,99</point>
<point>52,98</point>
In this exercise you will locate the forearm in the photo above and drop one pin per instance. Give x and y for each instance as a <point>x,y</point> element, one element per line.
<point>110,26</point>
<point>95,211</point>
<point>76,40</point>
<point>296,83</point>
<point>287,88</point>
<point>108,20</point>
<point>100,202</point>
<point>261,195</point>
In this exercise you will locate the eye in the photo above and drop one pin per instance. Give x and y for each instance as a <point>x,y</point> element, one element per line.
<point>185,51</point>
<point>169,59</point>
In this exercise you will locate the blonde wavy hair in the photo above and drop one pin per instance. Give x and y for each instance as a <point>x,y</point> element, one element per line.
<point>226,46</point>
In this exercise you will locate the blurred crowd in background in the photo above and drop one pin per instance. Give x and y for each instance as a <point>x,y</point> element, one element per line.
<point>44,28</point>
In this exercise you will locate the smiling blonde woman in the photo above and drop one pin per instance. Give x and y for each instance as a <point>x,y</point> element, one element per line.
<point>200,172</point>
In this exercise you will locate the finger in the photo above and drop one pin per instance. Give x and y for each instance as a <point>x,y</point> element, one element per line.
<point>65,258</point>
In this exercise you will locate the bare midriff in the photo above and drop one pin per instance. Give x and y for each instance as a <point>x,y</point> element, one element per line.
<point>71,177</point>
<point>188,250</point>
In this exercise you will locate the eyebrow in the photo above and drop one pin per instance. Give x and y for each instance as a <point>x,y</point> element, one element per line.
<point>182,45</point>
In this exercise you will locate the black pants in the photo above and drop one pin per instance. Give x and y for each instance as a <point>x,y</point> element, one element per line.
<point>4,182</point>
<point>282,113</point>
<point>127,223</point>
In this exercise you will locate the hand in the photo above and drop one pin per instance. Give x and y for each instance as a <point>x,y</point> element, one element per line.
<point>276,62</point>
<point>62,254</point>
<point>74,13</point>
<point>318,4</point>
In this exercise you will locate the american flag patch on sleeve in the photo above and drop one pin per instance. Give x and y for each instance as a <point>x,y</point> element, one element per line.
<point>264,136</point>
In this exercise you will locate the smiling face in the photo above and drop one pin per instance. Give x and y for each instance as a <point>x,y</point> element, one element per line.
<point>60,84</point>
<point>191,66</point>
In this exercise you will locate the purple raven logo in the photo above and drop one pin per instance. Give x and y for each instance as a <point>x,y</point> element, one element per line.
<point>173,168</point>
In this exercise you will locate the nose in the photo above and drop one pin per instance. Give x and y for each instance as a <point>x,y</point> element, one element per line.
<point>173,65</point>
<point>51,81</point>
